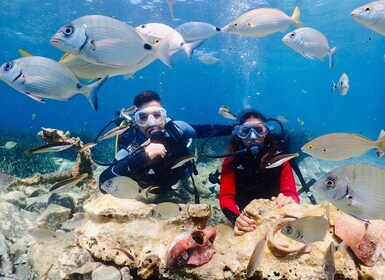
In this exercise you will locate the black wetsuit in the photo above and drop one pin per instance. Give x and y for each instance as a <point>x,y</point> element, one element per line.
<point>158,172</point>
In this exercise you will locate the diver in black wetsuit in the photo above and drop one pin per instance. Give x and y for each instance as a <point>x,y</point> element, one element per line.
<point>150,163</point>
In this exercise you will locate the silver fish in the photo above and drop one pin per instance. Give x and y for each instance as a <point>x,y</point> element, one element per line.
<point>121,187</point>
<point>114,132</point>
<point>165,211</point>
<point>5,179</point>
<point>40,77</point>
<point>154,31</point>
<point>342,86</point>
<point>58,186</point>
<point>102,40</point>
<point>9,145</point>
<point>280,159</point>
<point>256,257</point>
<point>197,30</point>
<point>41,233</point>
<point>372,16</point>
<point>307,229</point>
<point>310,43</point>
<point>225,112</point>
<point>263,21</point>
<point>208,59</point>
<point>50,147</point>
<point>87,146</point>
<point>380,152</point>
<point>356,189</point>
<point>86,70</point>
<point>183,160</point>
<point>329,266</point>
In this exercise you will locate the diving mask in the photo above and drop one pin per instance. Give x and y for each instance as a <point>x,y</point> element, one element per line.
<point>150,116</point>
<point>246,130</point>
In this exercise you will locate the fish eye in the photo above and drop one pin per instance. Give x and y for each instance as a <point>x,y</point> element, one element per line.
<point>68,30</point>
<point>367,9</point>
<point>292,35</point>
<point>156,41</point>
<point>289,230</point>
<point>143,26</point>
<point>249,24</point>
<point>109,184</point>
<point>330,182</point>
<point>8,66</point>
<point>235,24</point>
<point>310,147</point>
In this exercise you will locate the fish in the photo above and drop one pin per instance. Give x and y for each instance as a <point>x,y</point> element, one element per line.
<point>86,70</point>
<point>183,160</point>
<point>9,145</point>
<point>5,179</point>
<point>42,234</point>
<point>114,132</point>
<point>282,119</point>
<point>356,189</point>
<point>310,43</point>
<point>263,21</point>
<point>121,187</point>
<point>224,111</point>
<point>280,159</point>
<point>329,266</point>
<point>307,229</point>
<point>165,211</point>
<point>256,257</point>
<point>338,146</point>
<point>102,40</point>
<point>154,31</point>
<point>371,16</point>
<point>301,122</point>
<point>59,186</point>
<point>380,152</point>
<point>170,3</point>
<point>208,59</point>
<point>342,85</point>
<point>126,252</point>
<point>87,146</point>
<point>50,147</point>
<point>40,77</point>
<point>197,30</point>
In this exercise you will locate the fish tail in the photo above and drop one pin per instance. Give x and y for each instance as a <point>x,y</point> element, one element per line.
<point>190,47</point>
<point>333,86</point>
<point>331,54</point>
<point>91,91</point>
<point>295,16</point>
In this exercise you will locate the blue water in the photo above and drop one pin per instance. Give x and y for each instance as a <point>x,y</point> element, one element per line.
<point>262,72</point>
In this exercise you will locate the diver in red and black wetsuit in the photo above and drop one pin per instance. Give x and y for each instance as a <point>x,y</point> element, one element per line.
<point>244,176</point>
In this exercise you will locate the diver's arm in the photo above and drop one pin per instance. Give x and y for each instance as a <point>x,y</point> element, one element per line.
<point>227,192</point>
<point>287,184</point>
<point>206,130</point>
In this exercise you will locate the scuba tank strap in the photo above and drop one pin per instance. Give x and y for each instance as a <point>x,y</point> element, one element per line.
<point>305,186</point>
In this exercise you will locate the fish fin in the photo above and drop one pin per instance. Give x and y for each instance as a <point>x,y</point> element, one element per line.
<point>35,97</point>
<point>295,16</point>
<point>342,248</point>
<point>170,3</point>
<point>24,53</point>
<point>334,86</point>
<point>160,50</point>
<point>331,54</point>
<point>307,56</point>
<point>91,91</point>
<point>66,57</point>
<point>190,47</point>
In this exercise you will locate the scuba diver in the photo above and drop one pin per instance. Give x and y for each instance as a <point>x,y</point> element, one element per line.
<point>152,151</point>
<point>244,176</point>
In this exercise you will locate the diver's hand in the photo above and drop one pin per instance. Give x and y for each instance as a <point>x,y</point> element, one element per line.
<point>155,149</point>
<point>244,224</point>
<point>282,200</point>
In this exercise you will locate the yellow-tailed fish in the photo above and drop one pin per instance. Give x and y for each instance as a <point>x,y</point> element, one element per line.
<point>67,183</point>
<point>263,21</point>
<point>41,234</point>
<point>380,152</point>
<point>356,189</point>
<point>279,160</point>
<point>310,43</point>
<point>87,146</point>
<point>86,70</point>
<point>121,187</point>
<point>338,146</point>
<point>197,30</point>
<point>256,257</point>
<point>208,59</point>
<point>342,86</point>
<point>329,266</point>
<point>165,210</point>
<point>39,77</point>
<point>102,40</point>
<point>224,111</point>
<point>50,147</point>
<point>372,16</point>
<point>114,132</point>
<point>307,229</point>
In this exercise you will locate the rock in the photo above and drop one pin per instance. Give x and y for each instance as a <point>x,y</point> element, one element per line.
<point>62,200</point>
<point>17,198</point>
<point>12,225</point>
<point>105,272</point>
<point>53,217</point>
<point>6,265</point>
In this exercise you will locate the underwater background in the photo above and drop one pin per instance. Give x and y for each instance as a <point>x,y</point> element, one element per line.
<point>262,73</point>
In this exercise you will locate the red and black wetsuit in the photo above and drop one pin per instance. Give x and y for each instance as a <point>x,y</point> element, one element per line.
<point>242,180</point>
